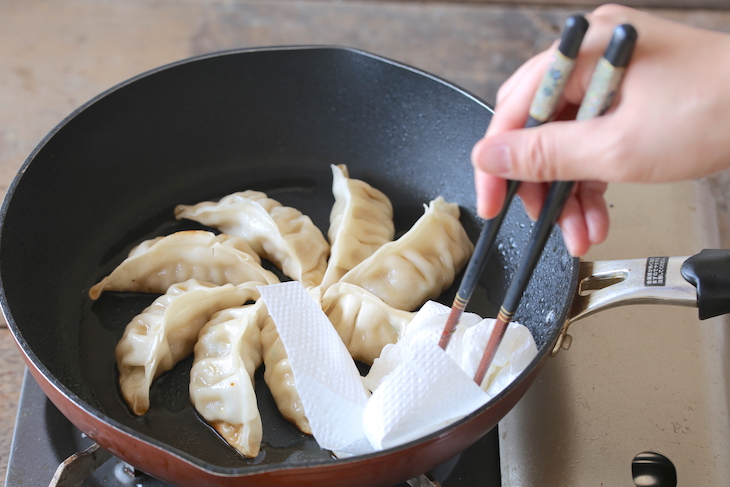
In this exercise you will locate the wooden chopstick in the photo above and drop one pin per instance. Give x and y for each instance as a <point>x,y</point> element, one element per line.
<point>542,110</point>
<point>606,79</point>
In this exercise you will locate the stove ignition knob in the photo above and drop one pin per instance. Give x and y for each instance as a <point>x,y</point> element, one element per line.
<point>651,469</point>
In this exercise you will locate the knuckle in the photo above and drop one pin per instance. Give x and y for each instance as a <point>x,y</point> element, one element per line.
<point>617,155</point>
<point>610,11</point>
<point>538,158</point>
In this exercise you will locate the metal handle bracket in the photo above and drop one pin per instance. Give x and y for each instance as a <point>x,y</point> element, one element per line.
<point>612,283</point>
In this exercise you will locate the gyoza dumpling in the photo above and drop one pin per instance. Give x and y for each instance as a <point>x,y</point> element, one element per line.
<point>185,240</point>
<point>278,233</point>
<point>227,354</point>
<point>421,264</point>
<point>166,332</point>
<point>280,379</point>
<point>361,221</point>
<point>155,264</point>
<point>364,322</point>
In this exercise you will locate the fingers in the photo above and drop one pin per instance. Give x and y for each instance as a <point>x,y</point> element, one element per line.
<point>595,209</point>
<point>525,155</point>
<point>516,95</point>
<point>559,151</point>
<point>534,158</point>
<point>573,224</point>
<point>491,193</point>
<point>666,123</point>
<point>585,220</point>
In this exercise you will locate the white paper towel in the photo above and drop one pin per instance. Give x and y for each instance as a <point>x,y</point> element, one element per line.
<point>425,392</point>
<point>418,388</point>
<point>467,345</point>
<point>325,375</point>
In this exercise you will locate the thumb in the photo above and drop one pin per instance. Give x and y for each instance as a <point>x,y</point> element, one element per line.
<point>558,151</point>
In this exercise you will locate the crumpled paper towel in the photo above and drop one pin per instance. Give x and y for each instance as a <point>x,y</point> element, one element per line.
<point>466,347</point>
<point>425,392</point>
<point>418,389</point>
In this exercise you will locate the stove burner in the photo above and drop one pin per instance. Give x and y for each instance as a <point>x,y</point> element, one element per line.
<point>44,440</point>
<point>651,469</point>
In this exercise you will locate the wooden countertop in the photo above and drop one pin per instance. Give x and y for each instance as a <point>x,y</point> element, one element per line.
<point>54,56</point>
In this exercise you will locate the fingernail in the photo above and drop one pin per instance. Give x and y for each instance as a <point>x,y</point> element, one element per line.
<point>495,159</point>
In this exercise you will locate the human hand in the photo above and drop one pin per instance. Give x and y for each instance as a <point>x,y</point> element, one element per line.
<point>668,122</point>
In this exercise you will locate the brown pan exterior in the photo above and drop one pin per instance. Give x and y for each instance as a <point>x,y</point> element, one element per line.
<point>375,470</point>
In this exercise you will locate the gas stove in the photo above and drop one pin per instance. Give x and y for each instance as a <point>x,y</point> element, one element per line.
<point>44,440</point>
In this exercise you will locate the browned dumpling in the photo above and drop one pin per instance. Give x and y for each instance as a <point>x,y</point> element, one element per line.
<point>156,264</point>
<point>421,264</point>
<point>278,233</point>
<point>227,354</point>
<point>280,379</point>
<point>166,332</point>
<point>361,221</point>
<point>364,322</point>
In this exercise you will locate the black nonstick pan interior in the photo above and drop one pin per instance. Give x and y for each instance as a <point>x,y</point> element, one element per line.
<point>272,120</point>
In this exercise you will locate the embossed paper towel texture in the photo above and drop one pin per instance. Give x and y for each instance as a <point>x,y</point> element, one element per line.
<point>418,388</point>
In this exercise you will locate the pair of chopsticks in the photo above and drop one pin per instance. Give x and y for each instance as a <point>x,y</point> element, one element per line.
<point>605,81</point>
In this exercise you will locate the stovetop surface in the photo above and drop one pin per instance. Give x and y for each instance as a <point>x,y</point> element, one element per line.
<point>44,438</point>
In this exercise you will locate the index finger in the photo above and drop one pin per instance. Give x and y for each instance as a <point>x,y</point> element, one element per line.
<point>515,95</point>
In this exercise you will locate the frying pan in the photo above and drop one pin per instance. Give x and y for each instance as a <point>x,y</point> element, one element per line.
<point>271,119</point>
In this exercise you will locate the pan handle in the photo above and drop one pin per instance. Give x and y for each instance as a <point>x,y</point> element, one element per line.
<point>701,281</point>
<point>709,272</point>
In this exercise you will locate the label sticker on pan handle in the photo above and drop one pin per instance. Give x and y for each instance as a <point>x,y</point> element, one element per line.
<point>656,271</point>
